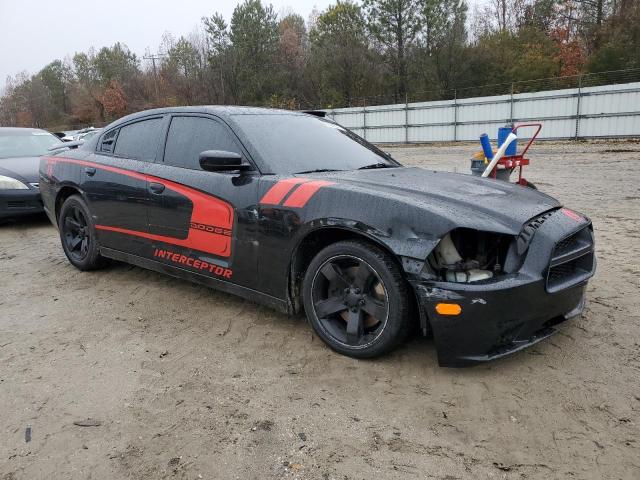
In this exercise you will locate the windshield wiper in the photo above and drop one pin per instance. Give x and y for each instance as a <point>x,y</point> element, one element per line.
<point>320,170</point>
<point>376,165</point>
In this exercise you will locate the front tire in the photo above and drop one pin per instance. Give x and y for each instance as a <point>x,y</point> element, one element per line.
<point>356,299</point>
<point>78,235</point>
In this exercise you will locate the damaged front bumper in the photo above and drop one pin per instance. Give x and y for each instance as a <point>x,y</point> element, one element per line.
<point>496,319</point>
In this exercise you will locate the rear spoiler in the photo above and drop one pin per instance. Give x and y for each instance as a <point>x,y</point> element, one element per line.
<point>59,146</point>
<point>316,113</point>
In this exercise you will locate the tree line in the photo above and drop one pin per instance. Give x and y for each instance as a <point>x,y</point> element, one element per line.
<point>389,50</point>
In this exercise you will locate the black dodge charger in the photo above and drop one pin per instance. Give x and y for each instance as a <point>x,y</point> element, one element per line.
<point>299,213</point>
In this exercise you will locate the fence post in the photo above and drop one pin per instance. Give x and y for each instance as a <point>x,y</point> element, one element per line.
<point>455,115</point>
<point>511,106</point>
<point>406,118</point>
<point>364,119</point>
<point>578,106</point>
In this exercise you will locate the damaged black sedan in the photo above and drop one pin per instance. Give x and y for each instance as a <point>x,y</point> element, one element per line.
<point>301,214</point>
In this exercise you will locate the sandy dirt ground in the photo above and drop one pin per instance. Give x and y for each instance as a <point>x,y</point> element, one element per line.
<point>184,382</point>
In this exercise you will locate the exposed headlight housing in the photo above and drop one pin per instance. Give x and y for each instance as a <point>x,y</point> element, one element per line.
<point>464,256</point>
<point>8,183</point>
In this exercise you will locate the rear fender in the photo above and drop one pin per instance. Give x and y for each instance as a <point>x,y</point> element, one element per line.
<point>63,191</point>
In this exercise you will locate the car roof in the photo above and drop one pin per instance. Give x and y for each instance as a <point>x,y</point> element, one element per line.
<point>222,111</point>
<point>20,130</point>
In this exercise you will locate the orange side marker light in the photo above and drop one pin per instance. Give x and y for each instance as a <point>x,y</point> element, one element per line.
<point>448,309</point>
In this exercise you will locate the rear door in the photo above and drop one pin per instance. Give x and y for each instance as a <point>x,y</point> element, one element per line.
<point>203,221</point>
<point>116,185</point>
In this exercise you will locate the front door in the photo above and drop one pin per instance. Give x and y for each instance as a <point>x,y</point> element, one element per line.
<point>201,221</point>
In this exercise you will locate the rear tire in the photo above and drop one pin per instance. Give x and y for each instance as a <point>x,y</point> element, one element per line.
<point>78,235</point>
<point>356,299</point>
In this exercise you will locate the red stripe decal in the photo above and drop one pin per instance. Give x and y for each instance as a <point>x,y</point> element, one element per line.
<point>207,209</point>
<point>303,193</point>
<point>196,242</point>
<point>276,193</point>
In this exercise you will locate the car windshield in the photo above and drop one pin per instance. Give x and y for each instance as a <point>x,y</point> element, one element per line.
<point>298,143</point>
<point>25,143</point>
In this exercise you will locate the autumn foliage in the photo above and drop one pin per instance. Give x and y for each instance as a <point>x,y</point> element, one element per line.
<point>113,99</point>
<point>353,53</point>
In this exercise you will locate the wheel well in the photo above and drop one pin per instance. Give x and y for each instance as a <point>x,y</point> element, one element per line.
<point>63,194</point>
<point>309,247</point>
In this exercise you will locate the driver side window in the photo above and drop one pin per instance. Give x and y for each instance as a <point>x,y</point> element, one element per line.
<point>190,136</point>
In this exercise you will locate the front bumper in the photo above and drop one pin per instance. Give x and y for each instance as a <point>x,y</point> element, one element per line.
<point>496,319</point>
<point>17,203</point>
<point>508,313</point>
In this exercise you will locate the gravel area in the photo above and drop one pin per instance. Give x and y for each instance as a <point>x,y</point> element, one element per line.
<point>125,373</point>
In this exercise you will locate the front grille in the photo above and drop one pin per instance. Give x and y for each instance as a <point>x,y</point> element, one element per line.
<point>561,271</point>
<point>566,244</point>
<point>22,205</point>
<point>571,261</point>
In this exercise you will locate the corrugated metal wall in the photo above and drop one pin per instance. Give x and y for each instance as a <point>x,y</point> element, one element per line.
<point>592,112</point>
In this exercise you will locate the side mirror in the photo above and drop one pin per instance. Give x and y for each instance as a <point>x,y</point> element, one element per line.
<point>221,161</point>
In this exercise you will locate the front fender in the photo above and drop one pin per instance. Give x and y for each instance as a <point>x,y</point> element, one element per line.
<point>405,242</point>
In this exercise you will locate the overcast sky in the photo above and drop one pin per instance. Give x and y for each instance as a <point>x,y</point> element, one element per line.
<point>35,32</point>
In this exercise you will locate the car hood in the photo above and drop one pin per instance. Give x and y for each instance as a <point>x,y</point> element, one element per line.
<point>22,168</point>
<point>465,199</point>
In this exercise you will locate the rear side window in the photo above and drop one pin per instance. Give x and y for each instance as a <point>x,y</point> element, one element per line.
<point>139,140</point>
<point>190,136</point>
<point>107,142</point>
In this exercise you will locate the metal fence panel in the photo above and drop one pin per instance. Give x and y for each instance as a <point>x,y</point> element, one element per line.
<point>484,109</point>
<point>558,103</point>
<point>430,133</point>
<point>583,112</point>
<point>619,126</point>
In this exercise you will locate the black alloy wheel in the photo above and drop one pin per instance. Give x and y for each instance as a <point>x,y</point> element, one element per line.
<point>356,299</point>
<point>78,235</point>
<point>350,300</point>
<point>75,233</point>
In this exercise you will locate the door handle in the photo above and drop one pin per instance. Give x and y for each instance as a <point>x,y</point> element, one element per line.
<point>156,188</point>
<point>90,171</point>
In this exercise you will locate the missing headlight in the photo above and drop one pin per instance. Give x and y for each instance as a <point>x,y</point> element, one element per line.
<point>465,255</point>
